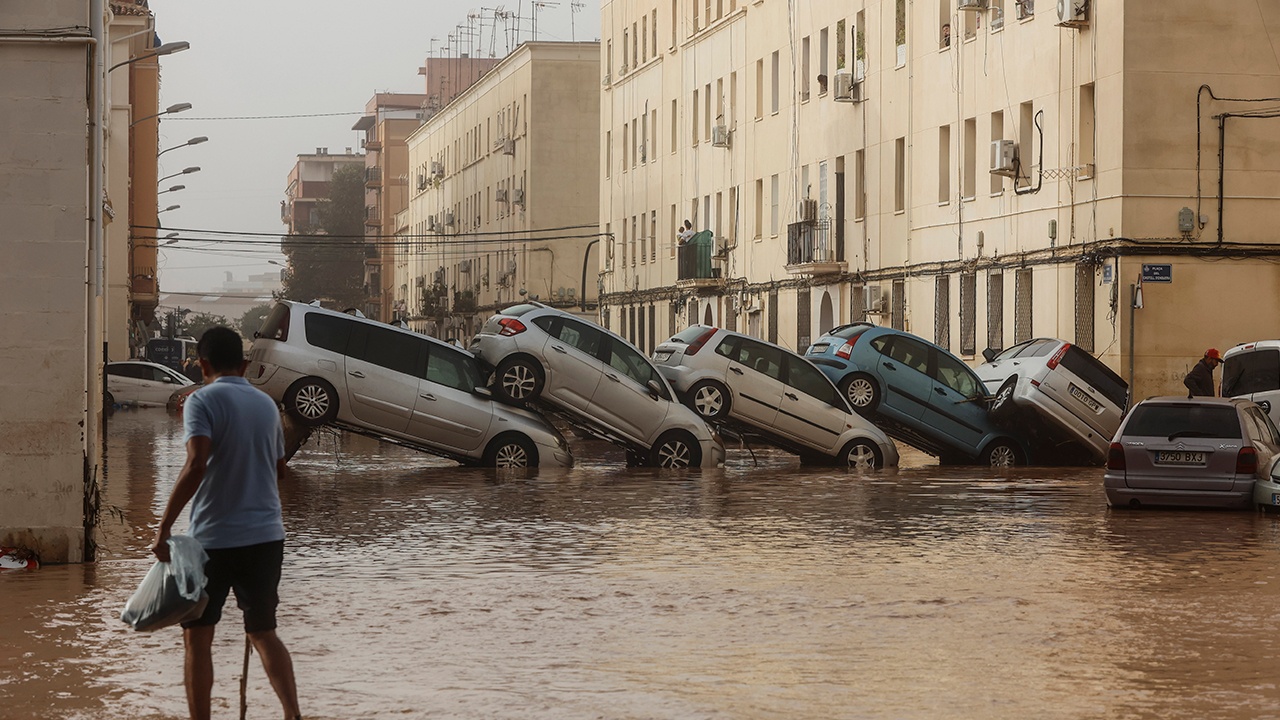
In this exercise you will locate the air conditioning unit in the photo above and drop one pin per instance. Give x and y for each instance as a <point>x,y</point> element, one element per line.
<point>422,181</point>
<point>1073,13</point>
<point>808,210</point>
<point>1024,9</point>
<point>509,147</point>
<point>517,196</point>
<point>972,5</point>
<point>720,136</point>
<point>1004,157</point>
<point>437,168</point>
<point>875,300</point>
<point>500,195</point>
<point>447,218</point>
<point>464,267</point>
<point>848,88</point>
<point>605,82</point>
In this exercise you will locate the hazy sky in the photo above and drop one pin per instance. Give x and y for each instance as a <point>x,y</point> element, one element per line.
<point>293,57</point>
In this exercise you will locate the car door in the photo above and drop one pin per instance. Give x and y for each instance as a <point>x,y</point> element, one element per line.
<point>572,354</point>
<point>383,368</point>
<point>812,411</point>
<point>903,369</point>
<point>755,379</point>
<point>447,412</point>
<point>124,381</point>
<point>623,398</point>
<point>1262,431</point>
<point>957,404</point>
<point>159,385</point>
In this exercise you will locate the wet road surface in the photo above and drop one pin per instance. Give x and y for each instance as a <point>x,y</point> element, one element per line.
<point>415,588</point>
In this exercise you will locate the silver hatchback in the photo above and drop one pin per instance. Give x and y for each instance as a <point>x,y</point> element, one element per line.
<point>597,381</point>
<point>1190,451</point>
<point>730,377</point>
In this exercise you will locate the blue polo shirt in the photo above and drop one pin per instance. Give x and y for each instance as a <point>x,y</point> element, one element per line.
<point>237,504</point>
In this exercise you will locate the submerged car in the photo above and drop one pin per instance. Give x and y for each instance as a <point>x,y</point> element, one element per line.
<point>1190,451</point>
<point>1252,371</point>
<point>596,380</point>
<point>730,377</point>
<point>327,367</point>
<point>142,383</point>
<point>1078,400</point>
<point>917,392</point>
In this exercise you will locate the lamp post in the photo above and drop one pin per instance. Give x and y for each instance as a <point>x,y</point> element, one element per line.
<point>165,49</point>
<point>185,171</point>
<point>171,110</point>
<point>192,141</point>
<point>175,188</point>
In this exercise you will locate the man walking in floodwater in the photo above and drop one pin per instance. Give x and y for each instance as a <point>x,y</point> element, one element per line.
<point>235,454</point>
<point>1199,381</point>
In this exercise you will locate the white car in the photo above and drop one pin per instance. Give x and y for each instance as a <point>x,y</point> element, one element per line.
<point>1080,400</point>
<point>730,377</point>
<point>1252,371</point>
<point>142,383</point>
<point>328,367</point>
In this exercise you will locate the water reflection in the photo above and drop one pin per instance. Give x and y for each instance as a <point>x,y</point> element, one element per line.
<point>416,588</point>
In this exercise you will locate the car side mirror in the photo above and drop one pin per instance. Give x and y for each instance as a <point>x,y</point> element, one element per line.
<point>988,354</point>
<point>483,392</point>
<point>655,390</point>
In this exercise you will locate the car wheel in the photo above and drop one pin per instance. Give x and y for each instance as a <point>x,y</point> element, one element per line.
<point>675,450</point>
<point>518,380</point>
<point>511,451</point>
<point>862,392</point>
<point>109,400</point>
<point>709,399</point>
<point>1002,404</point>
<point>312,401</point>
<point>860,455</point>
<point>1002,453</point>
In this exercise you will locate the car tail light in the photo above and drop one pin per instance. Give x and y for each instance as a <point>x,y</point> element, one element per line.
<point>1057,357</point>
<point>1247,461</point>
<point>845,350</point>
<point>1115,457</point>
<point>510,326</point>
<point>698,342</point>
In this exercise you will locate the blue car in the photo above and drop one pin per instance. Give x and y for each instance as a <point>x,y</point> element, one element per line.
<point>918,393</point>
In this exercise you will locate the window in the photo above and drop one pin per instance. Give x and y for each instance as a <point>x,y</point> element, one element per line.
<point>968,313</point>
<point>1026,128</point>
<point>762,358</point>
<point>823,50</point>
<point>759,88</point>
<point>626,40</point>
<point>328,332</point>
<point>1085,289</point>
<point>395,351</point>
<point>996,9</point>
<point>910,353</point>
<point>970,160</point>
<point>652,136</point>
<point>773,211</point>
<point>643,37</point>
<point>1024,9</point>
<point>995,311</point>
<point>773,104</point>
<point>944,23</point>
<point>675,125</point>
<point>758,227</point>
<point>644,139</point>
<point>1184,420</point>
<point>1022,305</point>
<point>608,152</point>
<point>731,119</point>
<point>636,41</point>
<point>900,175</point>
<point>1085,126</point>
<point>807,379</point>
<point>997,133</point>
<point>695,117</point>
<point>1251,372</point>
<point>859,45</point>
<point>1097,376</point>
<point>626,130</point>
<point>452,369</point>
<point>631,363</point>
<point>653,26</point>
<point>653,235</point>
<point>899,31</point>
<point>944,164</point>
<point>675,23</point>
<point>804,68</point>
<point>580,336</point>
<point>957,376</point>
<point>860,184</point>
<point>706,117</point>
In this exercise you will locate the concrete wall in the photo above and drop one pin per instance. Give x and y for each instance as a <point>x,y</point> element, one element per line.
<point>43,203</point>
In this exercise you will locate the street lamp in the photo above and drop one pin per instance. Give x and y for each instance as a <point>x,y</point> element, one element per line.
<point>171,207</point>
<point>192,141</point>
<point>175,188</point>
<point>172,109</point>
<point>185,171</point>
<point>165,49</point>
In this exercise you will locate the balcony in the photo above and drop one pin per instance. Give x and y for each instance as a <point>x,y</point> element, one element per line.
<point>372,215</point>
<point>693,263</point>
<point>373,176</point>
<point>372,144</point>
<point>464,301</point>
<point>810,250</point>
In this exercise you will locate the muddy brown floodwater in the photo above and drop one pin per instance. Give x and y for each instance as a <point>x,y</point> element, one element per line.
<point>414,588</point>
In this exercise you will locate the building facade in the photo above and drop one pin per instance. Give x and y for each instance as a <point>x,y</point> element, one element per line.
<point>308,184</point>
<point>976,172</point>
<point>504,196</point>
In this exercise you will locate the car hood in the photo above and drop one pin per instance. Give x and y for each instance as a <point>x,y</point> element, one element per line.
<point>994,373</point>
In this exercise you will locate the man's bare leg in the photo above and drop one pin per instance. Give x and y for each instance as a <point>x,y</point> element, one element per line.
<point>198,669</point>
<point>279,667</point>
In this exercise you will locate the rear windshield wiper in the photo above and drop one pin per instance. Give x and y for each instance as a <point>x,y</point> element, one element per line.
<point>1190,433</point>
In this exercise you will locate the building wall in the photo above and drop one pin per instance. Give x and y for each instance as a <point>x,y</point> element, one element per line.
<point>44,451</point>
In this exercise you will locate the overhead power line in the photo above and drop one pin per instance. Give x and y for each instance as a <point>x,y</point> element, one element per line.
<point>265,117</point>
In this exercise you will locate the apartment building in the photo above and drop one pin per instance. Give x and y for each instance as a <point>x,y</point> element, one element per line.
<point>388,121</point>
<point>504,200</point>
<point>308,184</point>
<point>977,172</point>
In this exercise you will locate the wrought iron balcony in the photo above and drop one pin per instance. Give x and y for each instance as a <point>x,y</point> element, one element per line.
<point>693,262</point>
<point>810,250</point>
<point>373,176</point>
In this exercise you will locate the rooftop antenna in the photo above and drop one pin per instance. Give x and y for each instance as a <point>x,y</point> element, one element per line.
<point>574,9</point>
<point>538,5</point>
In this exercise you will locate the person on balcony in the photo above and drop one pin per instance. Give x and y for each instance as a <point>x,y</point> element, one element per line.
<point>684,233</point>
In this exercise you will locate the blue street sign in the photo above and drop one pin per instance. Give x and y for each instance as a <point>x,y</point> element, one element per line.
<point>1157,273</point>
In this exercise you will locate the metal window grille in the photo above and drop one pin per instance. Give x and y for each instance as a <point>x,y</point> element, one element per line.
<point>804,301</point>
<point>632,335</point>
<point>899,299</point>
<point>1022,305</point>
<point>605,317</point>
<point>1085,290</point>
<point>653,327</point>
<point>968,313</point>
<point>942,311</point>
<point>773,316</point>
<point>995,311</point>
<point>671,319</point>
<point>640,334</point>
<point>859,308</point>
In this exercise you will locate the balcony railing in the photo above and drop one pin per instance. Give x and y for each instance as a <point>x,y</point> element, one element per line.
<point>693,258</point>
<point>372,216</point>
<point>809,243</point>
<point>373,175</point>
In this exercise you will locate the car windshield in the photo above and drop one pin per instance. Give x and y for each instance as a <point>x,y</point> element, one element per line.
<point>1251,372</point>
<point>1183,420</point>
<point>1030,348</point>
<point>689,334</point>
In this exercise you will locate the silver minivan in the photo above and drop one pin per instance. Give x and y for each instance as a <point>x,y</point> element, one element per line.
<point>327,367</point>
<point>1252,371</point>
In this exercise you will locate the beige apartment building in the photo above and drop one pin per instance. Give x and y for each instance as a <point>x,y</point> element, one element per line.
<point>308,184</point>
<point>977,172</point>
<point>504,195</point>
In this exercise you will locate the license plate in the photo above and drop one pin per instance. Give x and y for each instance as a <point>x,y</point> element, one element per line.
<point>1083,397</point>
<point>661,357</point>
<point>818,349</point>
<point>1179,457</point>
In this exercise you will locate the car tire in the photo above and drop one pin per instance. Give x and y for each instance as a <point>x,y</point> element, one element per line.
<point>710,400</point>
<point>1002,403</point>
<point>861,391</point>
<point>860,454</point>
<point>1002,453</point>
<point>311,401</point>
<point>675,450</point>
<point>511,451</point>
<point>518,380</point>
<point>109,401</point>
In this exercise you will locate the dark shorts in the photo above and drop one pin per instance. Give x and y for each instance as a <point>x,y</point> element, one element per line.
<point>253,571</point>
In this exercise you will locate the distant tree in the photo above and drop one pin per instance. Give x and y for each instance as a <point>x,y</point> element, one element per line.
<point>331,268</point>
<point>185,322</point>
<point>252,320</point>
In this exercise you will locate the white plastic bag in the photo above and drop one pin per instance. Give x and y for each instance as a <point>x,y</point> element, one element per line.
<point>172,592</point>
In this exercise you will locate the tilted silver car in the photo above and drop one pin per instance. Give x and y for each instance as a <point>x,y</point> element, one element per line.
<point>730,377</point>
<point>597,381</point>
<point>1190,451</point>
<point>396,385</point>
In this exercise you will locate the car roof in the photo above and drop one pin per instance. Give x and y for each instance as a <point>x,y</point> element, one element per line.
<point>735,333</point>
<point>369,321</point>
<point>1199,400</point>
<point>138,362</point>
<point>1252,346</point>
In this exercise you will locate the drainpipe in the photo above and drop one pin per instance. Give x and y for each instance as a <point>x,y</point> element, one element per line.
<point>582,293</point>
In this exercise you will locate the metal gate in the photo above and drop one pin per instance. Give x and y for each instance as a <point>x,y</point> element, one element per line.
<point>773,316</point>
<point>1022,306</point>
<point>942,311</point>
<point>968,313</point>
<point>1085,290</point>
<point>804,301</point>
<point>899,300</point>
<point>995,311</point>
